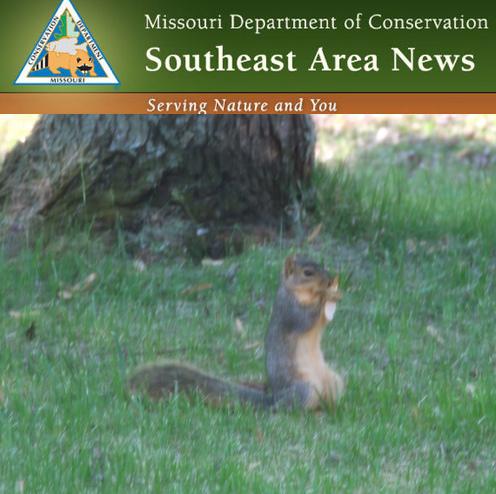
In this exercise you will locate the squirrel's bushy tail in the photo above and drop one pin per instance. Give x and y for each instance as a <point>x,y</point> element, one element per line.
<point>164,378</point>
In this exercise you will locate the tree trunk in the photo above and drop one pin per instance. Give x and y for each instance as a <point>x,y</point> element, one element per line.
<point>211,169</point>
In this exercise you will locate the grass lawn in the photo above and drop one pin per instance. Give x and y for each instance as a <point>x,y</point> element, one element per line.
<point>409,222</point>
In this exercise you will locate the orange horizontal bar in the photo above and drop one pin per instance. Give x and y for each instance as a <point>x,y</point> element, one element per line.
<point>247,103</point>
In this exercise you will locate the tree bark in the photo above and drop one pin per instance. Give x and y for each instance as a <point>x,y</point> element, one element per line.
<point>210,169</point>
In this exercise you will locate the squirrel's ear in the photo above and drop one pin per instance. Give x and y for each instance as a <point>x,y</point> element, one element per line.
<point>289,266</point>
<point>334,283</point>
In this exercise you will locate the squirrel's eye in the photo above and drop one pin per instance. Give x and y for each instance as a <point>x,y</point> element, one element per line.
<point>308,272</point>
<point>90,59</point>
<point>78,59</point>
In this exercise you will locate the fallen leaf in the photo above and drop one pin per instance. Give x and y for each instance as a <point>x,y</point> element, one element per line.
<point>139,265</point>
<point>30,333</point>
<point>470,389</point>
<point>253,344</point>
<point>87,283</point>
<point>432,331</point>
<point>83,286</point>
<point>314,233</point>
<point>65,294</point>
<point>197,288</point>
<point>212,262</point>
<point>19,314</point>
<point>238,326</point>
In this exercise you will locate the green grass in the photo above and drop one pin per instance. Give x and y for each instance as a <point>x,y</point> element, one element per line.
<point>414,336</point>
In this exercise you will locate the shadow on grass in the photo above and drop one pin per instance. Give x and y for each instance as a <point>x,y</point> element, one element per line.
<point>424,188</point>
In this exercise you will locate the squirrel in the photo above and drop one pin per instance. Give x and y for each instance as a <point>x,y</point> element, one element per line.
<point>298,376</point>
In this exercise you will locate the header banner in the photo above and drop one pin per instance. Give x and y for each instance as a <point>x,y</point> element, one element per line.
<point>152,46</point>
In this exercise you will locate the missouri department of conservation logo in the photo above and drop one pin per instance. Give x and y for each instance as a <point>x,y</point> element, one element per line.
<point>66,53</point>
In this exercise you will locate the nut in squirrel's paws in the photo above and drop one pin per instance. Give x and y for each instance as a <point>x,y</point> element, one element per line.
<point>332,296</point>
<point>330,310</point>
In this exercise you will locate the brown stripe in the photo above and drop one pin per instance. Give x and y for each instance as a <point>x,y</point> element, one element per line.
<point>252,103</point>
